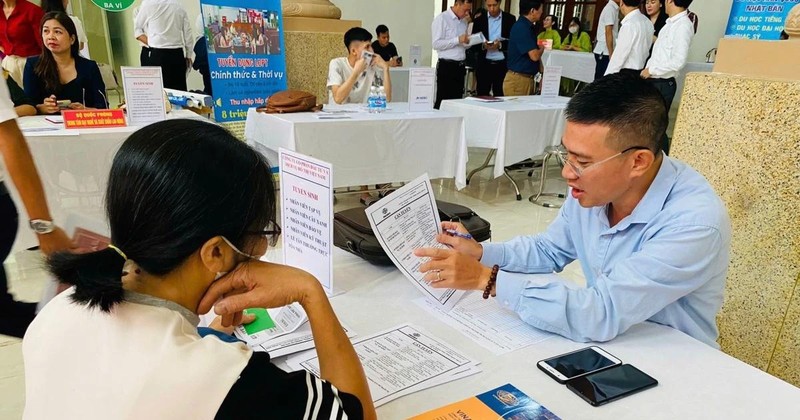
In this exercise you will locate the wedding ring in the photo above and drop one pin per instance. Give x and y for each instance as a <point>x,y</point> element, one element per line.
<point>438,275</point>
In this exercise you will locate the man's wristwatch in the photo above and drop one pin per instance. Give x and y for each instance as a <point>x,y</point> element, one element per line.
<point>42,227</point>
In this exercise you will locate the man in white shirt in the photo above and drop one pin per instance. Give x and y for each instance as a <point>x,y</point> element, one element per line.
<point>607,28</point>
<point>163,27</point>
<point>450,40</point>
<point>15,316</point>
<point>633,41</point>
<point>670,53</point>
<point>350,78</point>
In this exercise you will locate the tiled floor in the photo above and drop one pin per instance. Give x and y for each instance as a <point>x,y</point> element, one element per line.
<point>492,199</point>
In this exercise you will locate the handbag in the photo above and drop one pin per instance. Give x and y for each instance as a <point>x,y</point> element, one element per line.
<point>288,101</point>
<point>352,232</point>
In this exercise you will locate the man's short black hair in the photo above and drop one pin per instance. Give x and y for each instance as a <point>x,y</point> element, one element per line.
<point>356,34</point>
<point>629,105</point>
<point>682,3</point>
<point>632,3</point>
<point>525,6</point>
<point>381,29</point>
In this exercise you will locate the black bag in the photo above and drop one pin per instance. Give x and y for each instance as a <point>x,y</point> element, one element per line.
<point>352,232</point>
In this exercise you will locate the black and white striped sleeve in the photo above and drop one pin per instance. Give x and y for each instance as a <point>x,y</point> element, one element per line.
<point>265,391</point>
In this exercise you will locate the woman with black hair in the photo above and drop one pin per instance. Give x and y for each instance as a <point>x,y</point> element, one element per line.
<point>657,12</point>
<point>550,25</point>
<point>61,6</point>
<point>190,210</point>
<point>60,73</point>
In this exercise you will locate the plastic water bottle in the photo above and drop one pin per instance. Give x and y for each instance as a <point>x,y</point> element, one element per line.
<point>382,99</point>
<point>372,101</point>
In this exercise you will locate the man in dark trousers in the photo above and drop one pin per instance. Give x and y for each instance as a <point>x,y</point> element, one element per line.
<point>450,40</point>
<point>492,66</point>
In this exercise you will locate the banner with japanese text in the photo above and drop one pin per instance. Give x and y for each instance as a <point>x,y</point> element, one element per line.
<point>245,54</point>
<point>758,19</point>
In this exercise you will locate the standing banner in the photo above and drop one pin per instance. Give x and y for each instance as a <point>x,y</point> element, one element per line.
<point>758,19</point>
<point>245,56</point>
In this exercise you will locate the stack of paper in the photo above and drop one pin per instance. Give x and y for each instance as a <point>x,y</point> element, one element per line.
<point>400,361</point>
<point>505,402</point>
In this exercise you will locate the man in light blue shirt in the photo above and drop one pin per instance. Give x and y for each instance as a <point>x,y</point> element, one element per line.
<point>491,66</point>
<point>651,235</point>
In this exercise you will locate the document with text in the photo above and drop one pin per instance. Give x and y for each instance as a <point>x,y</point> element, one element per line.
<point>405,220</point>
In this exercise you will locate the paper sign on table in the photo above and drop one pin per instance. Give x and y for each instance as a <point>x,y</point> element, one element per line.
<point>307,215</point>
<point>144,95</point>
<point>415,53</point>
<point>93,118</point>
<point>505,402</point>
<point>421,89</point>
<point>551,81</point>
<point>400,361</point>
<point>406,220</point>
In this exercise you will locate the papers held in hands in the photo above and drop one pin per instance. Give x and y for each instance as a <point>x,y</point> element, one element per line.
<point>271,323</point>
<point>476,39</point>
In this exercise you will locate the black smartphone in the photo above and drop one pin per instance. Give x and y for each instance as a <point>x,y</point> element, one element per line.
<point>578,363</point>
<point>611,384</point>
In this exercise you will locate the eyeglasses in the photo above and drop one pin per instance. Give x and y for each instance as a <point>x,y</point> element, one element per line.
<point>580,170</point>
<point>270,233</point>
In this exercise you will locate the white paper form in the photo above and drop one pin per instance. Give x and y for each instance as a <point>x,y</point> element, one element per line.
<point>400,361</point>
<point>406,220</point>
<point>295,342</point>
<point>551,81</point>
<point>488,324</point>
<point>421,89</point>
<point>144,95</point>
<point>287,319</point>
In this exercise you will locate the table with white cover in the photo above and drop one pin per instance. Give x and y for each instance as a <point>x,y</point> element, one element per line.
<point>575,65</point>
<point>695,380</point>
<point>73,165</point>
<point>516,129</point>
<point>394,146</point>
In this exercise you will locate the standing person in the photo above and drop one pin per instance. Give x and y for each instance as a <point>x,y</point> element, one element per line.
<point>15,316</point>
<point>523,51</point>
<point>164,29</point>
<point>550,31</point>
<point>19,35</point>
<point>634,40</point>
<point>495,25</point>
<point>385,48</point>
<point>670,53</point>
<point>657,13</point>
<point>201,54</point>
<point>450,40</point>
<point>61,6</point>
<point>607,29</point>
<point>61,60</point>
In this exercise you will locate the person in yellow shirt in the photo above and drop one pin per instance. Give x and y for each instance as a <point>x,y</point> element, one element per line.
<point>578,39</point>
<point>550,31</point>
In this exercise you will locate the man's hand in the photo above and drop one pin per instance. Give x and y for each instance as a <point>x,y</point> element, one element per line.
<point>468,247</point>
<point>393,62</point>
<point>451,269</point>
<point>464,39</point>
<point>361,65</point>
<point>55,241</point>
<point>380,62</point>
<point>188,63</point>
<point>645,74</point>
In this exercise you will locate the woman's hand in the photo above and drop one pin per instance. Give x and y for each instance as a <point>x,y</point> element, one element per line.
<point>76,105</point>
<point>257,284</point>
<point>49,106</point>
<point>216,324</point>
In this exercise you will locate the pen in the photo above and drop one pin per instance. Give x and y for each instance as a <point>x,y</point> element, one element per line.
<point>459,234</point>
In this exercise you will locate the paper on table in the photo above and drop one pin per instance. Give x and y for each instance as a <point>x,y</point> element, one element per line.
<point>30,125</point>
<point>406,220</point>
<point>295,342</point>
<point>285,320</point>
<point>486,323</point>
<point>400,361</point>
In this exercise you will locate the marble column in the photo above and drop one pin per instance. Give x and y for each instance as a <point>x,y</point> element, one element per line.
<point>311,8</point>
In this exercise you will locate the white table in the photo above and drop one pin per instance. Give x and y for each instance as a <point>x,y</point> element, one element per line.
<point>575,65</point>
<point>400,76</point>
<point>394,146</point>
<point>695,381</point>
<point>519,128</point>
<point>74,167</point>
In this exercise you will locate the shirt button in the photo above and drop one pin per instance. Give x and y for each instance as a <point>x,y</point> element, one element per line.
<point>506,304</point>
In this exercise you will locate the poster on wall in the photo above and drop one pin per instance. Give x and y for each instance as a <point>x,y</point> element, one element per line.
<point>758,19</point>
<point>245,55</point>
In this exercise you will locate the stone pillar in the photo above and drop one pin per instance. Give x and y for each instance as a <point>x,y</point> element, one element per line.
<point>311,8</point>
<point>792,24</point>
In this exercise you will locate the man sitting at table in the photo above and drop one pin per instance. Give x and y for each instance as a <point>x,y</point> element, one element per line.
<point>350,78</point>
<point>651,235</point>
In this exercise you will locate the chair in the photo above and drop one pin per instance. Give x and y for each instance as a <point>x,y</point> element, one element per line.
<point>110,80</point>
<point>550,152</point>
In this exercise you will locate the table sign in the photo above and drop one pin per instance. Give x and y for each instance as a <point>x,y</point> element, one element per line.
<point>550,84</point>
<point>144,95</point>
<point>307,215</point>
<point>93,118</point>
<point>421,85</point>
<point>415,53</point>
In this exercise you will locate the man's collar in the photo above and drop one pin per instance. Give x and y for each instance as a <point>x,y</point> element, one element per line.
<point>678,16</point>
<point>453,14</point>
<point>653,200</point>
<point>631,15</point>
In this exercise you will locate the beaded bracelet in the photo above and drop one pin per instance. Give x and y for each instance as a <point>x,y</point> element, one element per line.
<point>492,280</point>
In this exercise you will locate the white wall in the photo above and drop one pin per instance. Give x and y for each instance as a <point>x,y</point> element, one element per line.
<point>713,16</point>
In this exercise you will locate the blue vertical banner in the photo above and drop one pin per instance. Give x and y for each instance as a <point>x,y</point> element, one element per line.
<point>245,54</point>
<point>758,19</point>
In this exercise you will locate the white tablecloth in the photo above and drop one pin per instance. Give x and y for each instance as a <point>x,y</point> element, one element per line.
<point>575,65</point>
<point>695,380</point>
<point>399,77</point>
<point>74,167</point>
<point>519,128</point>
<point>369,148</point>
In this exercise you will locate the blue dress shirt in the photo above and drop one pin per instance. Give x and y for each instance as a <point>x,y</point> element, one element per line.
<point>666,263</point>
<point>522,40</point>
<point>495,33</point>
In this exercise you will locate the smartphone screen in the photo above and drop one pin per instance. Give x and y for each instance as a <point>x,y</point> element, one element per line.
<point>578,363</point>
<point>611,384</point>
